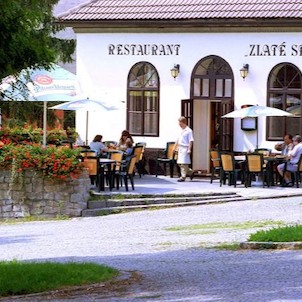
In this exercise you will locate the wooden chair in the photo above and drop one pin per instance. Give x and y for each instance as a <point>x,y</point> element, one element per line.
<point>142,162</point>
<point>216,163</point>
<point>87,152</point>
<point>126,173</point>
<point>228,168</point>
<point>91,162</point>
<point>255,166</point>
<point>116,167</point>
<point>167,156</point>
<point>138,151</point>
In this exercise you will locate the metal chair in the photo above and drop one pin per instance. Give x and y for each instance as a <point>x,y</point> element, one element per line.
<point>216,163</point>
<point>167,156</point>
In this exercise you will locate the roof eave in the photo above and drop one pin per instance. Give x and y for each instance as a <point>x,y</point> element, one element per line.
<point>172,23</point>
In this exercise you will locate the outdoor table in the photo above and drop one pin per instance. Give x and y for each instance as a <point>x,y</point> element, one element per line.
<point>239,158</point>
<point>103,162</point>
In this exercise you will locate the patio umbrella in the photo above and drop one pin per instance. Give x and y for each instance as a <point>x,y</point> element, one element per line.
<point>55,84</point>
<point>84,105</point>
<point>256,111</point>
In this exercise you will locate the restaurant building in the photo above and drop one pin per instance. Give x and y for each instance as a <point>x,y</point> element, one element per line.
<point>223,54</point>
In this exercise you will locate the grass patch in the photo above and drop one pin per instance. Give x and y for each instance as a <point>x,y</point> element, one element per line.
<point>278,234</point>
<point>225,225</point>
<point>19,278</point>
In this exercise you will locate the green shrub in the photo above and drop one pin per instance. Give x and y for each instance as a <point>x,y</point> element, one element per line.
<point>278,234</point>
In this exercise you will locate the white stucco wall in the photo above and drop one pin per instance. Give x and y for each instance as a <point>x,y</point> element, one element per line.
<point>104,76</point>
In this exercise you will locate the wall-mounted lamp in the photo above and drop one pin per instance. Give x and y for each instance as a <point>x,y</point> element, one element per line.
<point>244,71</point>
<point>175,71</point>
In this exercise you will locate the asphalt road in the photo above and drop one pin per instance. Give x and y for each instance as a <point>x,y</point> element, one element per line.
<point>174,265</point>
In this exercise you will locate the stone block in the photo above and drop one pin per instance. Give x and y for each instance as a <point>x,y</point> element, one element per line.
<point>4,194</point>
<point>60,196</point>
<point>28,188</point>
<point>51,210</point>
<point>18,196</point>
<point>7,208</point>
<point>36,211</point>
<point>76,198</point>
<point>34,196</point>
<point>7,202</point>
<point>7,215</point>
<point>49,195</point>
<point>73,212</point>
<point>38,187</point>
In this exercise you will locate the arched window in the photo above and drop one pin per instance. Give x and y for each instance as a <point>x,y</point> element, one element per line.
<point>212,79</point>
<point>143,100</point>
<point>284,92</point>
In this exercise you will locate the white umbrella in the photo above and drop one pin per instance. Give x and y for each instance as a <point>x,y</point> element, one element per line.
<point>84,105</point>
<point>55,84</point>
<point>256,111</point>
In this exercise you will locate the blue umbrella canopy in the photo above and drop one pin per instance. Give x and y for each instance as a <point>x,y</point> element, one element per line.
<point>55,84</point>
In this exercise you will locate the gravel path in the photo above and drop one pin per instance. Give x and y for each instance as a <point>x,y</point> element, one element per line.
<point>174,265</point>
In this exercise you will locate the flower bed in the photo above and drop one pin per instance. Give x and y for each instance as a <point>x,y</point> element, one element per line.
<point>41,181</point>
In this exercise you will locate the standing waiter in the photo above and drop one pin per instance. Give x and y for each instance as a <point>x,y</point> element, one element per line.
<point>184,146</point>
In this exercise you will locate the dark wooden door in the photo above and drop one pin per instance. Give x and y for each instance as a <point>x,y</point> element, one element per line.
<point>187,111</point>
<point>226,126</point>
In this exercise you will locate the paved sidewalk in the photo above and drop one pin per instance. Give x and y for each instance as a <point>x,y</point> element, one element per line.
<point>172,258</point>
<point>149,184</point>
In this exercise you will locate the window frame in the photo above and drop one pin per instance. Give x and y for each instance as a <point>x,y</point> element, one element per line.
<point>143,112</point>
<point>283,92</point>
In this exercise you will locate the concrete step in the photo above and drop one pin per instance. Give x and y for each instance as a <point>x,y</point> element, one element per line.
<point>111,206</point>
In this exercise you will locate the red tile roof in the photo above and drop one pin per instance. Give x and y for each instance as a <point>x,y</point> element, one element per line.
<point>113,10</point>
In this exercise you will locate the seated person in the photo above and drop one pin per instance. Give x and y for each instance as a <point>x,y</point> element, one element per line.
<point>124,138</point>
<point>292,164</point>
<point>286,146</point>
<point>129,150</point>
<point>97,145</point>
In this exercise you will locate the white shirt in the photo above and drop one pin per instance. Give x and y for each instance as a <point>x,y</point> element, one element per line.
<point>295,153</point>
<point>185,137</point>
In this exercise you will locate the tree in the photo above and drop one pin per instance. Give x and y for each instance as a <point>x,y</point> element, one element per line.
<point>27,36</point>
<point>27,39</point>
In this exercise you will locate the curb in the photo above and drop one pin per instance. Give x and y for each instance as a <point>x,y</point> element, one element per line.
<point>252,245</point>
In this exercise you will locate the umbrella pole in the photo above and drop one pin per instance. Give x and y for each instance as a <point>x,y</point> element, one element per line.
<point>257,142</point>
<point>44,123</point>
<point>86,143</point>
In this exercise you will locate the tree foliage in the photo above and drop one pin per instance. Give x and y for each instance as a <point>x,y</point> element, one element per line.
<point>27,36</point>
<point>28,40</point>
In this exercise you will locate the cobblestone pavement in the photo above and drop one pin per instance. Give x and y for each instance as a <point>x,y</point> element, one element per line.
<point>174,265</point>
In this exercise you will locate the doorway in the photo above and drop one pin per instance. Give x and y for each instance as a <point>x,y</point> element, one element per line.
<point>212,95</point>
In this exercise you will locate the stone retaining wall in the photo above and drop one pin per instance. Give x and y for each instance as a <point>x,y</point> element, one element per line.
<point>33,195</point>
